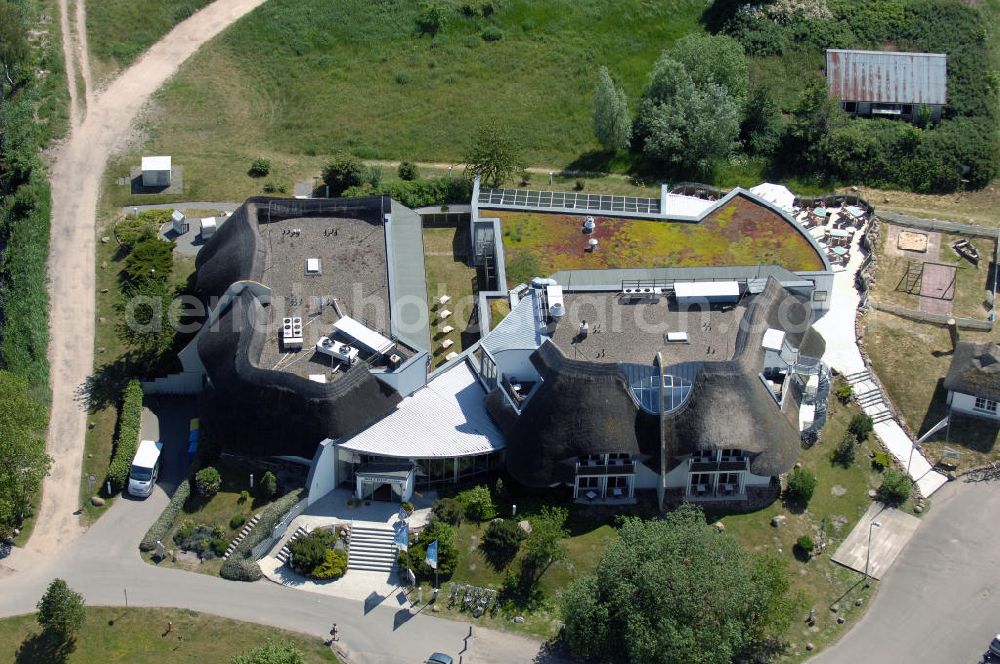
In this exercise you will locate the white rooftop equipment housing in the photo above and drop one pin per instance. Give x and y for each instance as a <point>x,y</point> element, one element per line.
<point>711,291</point>
<point>156,171</point>
<point>365,337</point>
<point>554,297</point>
<point>291,332</point>
<point>313,266</point>
<point>337,350</point>
<point>773,340</point>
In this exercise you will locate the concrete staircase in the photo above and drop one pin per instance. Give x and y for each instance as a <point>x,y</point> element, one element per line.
<point>286,552</point>
<point>869,396</point>
<point>372,548</point>
<point>242,535</point>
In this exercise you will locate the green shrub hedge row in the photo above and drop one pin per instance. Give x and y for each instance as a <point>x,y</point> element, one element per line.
<point>162,525</point>
<point>129,424</point>
<point>239,566</point>
<point>420,193</point>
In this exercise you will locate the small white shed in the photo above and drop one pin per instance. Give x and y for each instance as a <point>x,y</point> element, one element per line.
<point>156,171</point>
<point>208,227</point>
<point>179,222</point>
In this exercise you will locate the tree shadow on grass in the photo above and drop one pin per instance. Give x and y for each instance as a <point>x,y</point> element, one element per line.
<point>42,648</point>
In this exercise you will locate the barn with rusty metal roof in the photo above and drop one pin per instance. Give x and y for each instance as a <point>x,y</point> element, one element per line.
<point>888,84</point>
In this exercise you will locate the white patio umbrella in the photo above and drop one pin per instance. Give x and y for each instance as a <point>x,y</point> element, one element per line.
<point>776,194</point>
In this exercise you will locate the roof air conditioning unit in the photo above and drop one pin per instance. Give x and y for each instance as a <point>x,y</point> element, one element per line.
<point>557,311</point>
<point>394,361</point>
<point>589,224</point>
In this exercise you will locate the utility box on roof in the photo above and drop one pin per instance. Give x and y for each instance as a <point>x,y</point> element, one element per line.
<point>156,171</point>
<point>179,222</point>
<point>208,227</point>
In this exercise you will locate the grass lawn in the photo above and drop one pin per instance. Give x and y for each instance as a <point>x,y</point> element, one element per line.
<point>499,308</point>
<point>741,233</point>
<point>216,511</point>
<point>138,636</point>
<point>841,498</point>
<point>448,274</point>
<point>118,31</point>
<point>912,359</point>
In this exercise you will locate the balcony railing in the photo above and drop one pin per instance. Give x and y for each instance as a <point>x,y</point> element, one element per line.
<point>729,465</point>
<point>606,469</point>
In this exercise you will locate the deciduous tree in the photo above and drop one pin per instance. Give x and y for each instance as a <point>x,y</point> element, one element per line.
<point>494,154</point>
<point>674,591</point>
<point>23,461</point>
<point>60,611</point>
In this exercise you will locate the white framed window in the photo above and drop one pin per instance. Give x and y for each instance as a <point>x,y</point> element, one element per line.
<point>617,482</point>
<point>589,482</point>
<point>732,454</point>
<point>729,483</point>
<point>701,483</point>
<point>619,458</point>
<point>986,405</point>
<point>703,456</point>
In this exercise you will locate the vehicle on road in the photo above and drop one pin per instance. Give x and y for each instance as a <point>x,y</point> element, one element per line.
<point>145,468</point>
<point>439,658</point>
<point>993,654</point>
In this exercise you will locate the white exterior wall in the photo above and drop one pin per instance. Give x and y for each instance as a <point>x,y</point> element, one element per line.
<point>517,364</point>
<point>965,403</point>
<point>323,471</point>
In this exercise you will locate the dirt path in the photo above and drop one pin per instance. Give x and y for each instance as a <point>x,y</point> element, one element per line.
<point>83,53</point>
<point>76,181</point>
<point>69,62</point>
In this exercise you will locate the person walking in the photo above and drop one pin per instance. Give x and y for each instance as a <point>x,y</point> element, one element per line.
<point>334,633</point>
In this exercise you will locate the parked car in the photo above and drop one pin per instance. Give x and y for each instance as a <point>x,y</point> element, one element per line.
<point>439,658</point>
<point>145,468</point>
<point>993,654</point>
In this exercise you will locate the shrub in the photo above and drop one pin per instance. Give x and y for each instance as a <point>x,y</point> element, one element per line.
<point>478,503</point>
<point>334,565</point>
<point>805,545</point>
<point>219,546</point>
<point>342,172</point>
<point>896,487</point>
<point>860,427</point>
<point>208,481</point>
<point>150,259</point>
<point>407,506</point>
<point>309,552</point>
<point>432,17</point>
<point>492,34</point>
<point>259,168</point>
<point>448,510</point>
<point>132,230</point>
<point>881,459</point>
<point>244,497</point>
<point>127,439</point>
<point>237,521</point>
<point>271,652</point>
<point>407,171</point>
<point>843,392</point>
<point>403,77</point>
<point>801,486</point>
<point>501,541</point>
<point>162,525</point>
<point>846,450</point>
<point>578,185</point>
<point>270,187</point>
<point>414,557</point>
<point>268,486</point>
<point>238,566</point>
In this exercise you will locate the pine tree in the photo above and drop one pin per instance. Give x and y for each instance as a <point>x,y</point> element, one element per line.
<point>612,123</point>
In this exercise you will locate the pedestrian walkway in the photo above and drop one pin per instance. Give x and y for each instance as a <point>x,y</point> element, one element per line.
<point>838,327</point>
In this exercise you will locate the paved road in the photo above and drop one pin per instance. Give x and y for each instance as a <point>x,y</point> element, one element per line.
<point>940,603</point>
<point>104,564</point>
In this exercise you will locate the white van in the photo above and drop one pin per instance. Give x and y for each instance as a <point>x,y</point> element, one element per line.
<point>145,468</point>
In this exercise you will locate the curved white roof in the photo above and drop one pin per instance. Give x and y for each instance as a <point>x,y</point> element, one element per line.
<point>447,418</point>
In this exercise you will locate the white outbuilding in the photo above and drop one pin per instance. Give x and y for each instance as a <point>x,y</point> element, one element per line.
<point>208,227</point>
<point>156,171</point>
<point>179,222</point>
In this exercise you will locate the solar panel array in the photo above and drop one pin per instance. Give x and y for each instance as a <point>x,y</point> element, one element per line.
<point>523,198</point>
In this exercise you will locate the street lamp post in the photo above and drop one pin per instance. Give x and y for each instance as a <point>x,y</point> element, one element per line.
<point>868,555</point>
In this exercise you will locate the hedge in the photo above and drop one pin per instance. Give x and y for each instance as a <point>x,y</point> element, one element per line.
<point>127,441</point>
<point>162,525</point>
<point>239,566</point>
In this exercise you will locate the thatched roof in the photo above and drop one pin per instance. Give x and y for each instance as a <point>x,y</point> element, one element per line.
<point>586,407</point>
<point>975,370</point>
<point>581,408</point>
<point>261,411</point>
